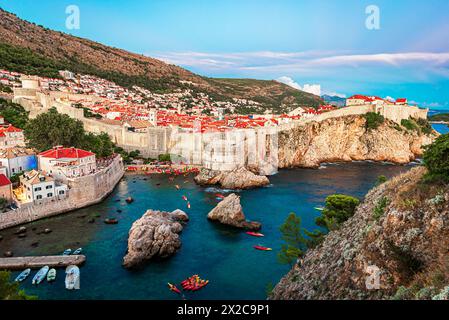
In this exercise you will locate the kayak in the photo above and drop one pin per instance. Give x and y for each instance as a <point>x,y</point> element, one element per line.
<point>177,187</point>
<point>319,208</point>
<point>67,252</point>
<point>188,205</point>
<point>23,275</point>
<point>261,248</point>
<point>40,275</point>
<point>219,195</point>
<point>77,251</point>
<point>194,283</point>
<point>173,288</point>
<point>51,276</point>
<point>254,234</point>
<point>72,278</point>
<point>111,221</point>
<point>184,198</point>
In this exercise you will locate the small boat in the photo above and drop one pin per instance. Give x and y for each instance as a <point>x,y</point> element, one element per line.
<point>219,195</point>
<point>67,252</point>
<point>40,275</point>
<point>173,288</point>
<point>77,251</point>
<point>188,205</point>
<point>177,187</point>
<point>262,248</point>
<point>184,198</point>
<point>319,208</point>
<point>111,221</point>
<point>72,278</point>
<point>255,234</point>
<point>51,276</point>
<point>23,275</point>
<point>129,200</point>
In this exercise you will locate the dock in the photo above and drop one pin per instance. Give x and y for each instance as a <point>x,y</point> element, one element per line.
<point>20,263</point>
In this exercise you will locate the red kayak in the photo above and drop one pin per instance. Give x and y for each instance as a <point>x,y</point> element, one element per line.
<point>261,248</point>
<point>184,198</point>
<point>219,195</point>
<point>254,234</point>
<point>173,288</point>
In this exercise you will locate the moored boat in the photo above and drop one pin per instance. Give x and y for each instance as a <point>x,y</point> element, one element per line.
<point>67,252</point>
<point>40,275</point>
<point>72,278</point>
<point>51,276</point>
<point>111,221</point>
<point>77,251</point>
<point>23,275</point>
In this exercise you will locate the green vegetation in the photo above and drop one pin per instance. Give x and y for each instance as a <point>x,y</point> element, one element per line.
<point>52,128</point>
<point>13,113</point>
<point>373,120</point>
<point>381,180</point>
<point>15,178</point>
<point>424,126</point>
<point>295,244</point>
<point>5,89</point>
<point>436,160</point>
<point>10,290</point>
<point>409,124</point>
<point>338,209</point>
<point>164,157</point>
<point>379,209</point>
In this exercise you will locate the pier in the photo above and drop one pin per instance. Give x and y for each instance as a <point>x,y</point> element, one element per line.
<point>20,263</point>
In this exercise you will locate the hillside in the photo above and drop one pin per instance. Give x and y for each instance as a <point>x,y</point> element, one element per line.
<point>26,47</point>
<point>400,228</point>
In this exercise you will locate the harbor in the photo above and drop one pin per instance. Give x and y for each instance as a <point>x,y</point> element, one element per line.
<point>20,263</point>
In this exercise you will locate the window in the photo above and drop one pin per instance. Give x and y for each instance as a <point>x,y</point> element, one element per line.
<point>38,197</point>
<point>37,189</point>
<point>48,187</point>
<point>49,195</point>
<point>61,191</point>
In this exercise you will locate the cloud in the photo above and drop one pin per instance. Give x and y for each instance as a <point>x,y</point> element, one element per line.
<point>310,88</point>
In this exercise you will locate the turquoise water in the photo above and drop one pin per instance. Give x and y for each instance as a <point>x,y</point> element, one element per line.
<point>223,255</point>
<point>441,128</point>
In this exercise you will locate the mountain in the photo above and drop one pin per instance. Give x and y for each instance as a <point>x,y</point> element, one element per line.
<point>29,48</point>
<point>334,100</point>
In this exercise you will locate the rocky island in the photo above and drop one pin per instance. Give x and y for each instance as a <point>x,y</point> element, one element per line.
<point>240,178</point>
<point>230,212</point>
<point>154,235</point>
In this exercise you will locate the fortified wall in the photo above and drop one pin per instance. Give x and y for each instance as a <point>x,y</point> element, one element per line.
<point>83,192</point>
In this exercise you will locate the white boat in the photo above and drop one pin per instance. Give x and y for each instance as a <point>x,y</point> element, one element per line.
<point>72,278</point>
<point>67,252</point>
<point>40,275</point>
<point>23,275</point>
<point>77,251</point>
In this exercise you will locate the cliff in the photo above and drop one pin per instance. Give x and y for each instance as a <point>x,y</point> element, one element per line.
<point>347,138</point>
<point>400,233</point>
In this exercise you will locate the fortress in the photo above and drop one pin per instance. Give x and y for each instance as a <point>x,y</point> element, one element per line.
<point>255,147</point>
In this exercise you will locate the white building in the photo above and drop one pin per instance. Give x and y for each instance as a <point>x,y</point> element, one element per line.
<point>11,136</point>
<point>35,186</point>
<point>63,163</point>
<point>17,160</point>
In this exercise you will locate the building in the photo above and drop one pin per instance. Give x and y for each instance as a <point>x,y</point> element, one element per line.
<point>35,186</point>
<point>17,160</point>
<point>67,163</point>
<point>5,188</point>
<point>359,99</point>
<point>11,136</point>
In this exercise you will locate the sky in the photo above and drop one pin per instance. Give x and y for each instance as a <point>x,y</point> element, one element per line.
<point>387,48</point>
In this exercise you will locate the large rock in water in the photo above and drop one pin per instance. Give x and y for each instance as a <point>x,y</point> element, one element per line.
<point>240,178</point>
<point>154,235</point>
<point>230,212</point>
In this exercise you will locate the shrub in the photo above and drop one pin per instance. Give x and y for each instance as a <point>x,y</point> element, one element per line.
<point>409,124</point>
<point>381,180</point>
<point>436,159</point>
<point>373,120</point>
<point>424,125</point>
<point>164,157</point>
<point>379,209</point>
<point>338,209</point>
<point>10,290</point>
<point>402,293</point>
<point>295,244</point>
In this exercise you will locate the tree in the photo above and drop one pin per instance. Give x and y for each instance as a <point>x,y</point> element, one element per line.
<point>373,120</point>
<point>295,245</point>
<point>51,129</point>
<point>10,290</point>
<point>13,113</point>
<point>338,209</point>
<point>100,144</point>
<point>436,159</point>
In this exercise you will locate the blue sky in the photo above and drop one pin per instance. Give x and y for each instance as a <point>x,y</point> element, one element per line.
<point>319,42</point>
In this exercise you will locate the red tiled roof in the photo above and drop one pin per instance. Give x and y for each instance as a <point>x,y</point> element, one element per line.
<point>4,181</point>
<point>71,153</point>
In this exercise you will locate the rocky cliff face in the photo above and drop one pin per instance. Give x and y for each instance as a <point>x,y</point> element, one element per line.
<point>154,235</point>
<point>398,235</point>
<point>348,139</point>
